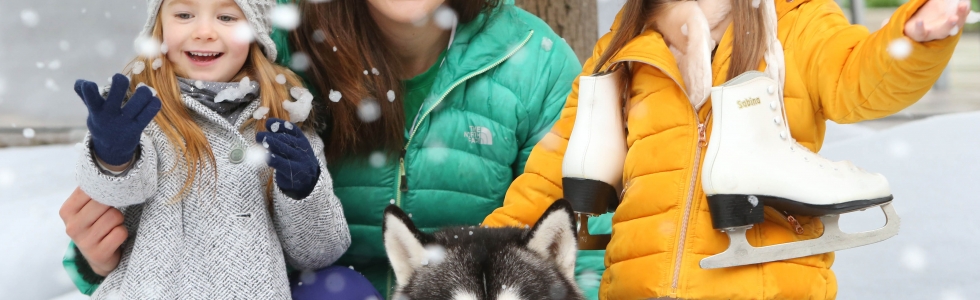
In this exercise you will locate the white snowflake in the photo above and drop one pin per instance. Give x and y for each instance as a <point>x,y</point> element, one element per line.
<point>444,17</point>
<point>40,64</point>
<point>375,71</point>
<point>391,96</point>
<point>377,159</point>
<point>164,48</point>
<point>30,17</point>
<point>245,85</point>
<point>260,113</point>
<point>285,16</point>
<point>755,3</point>
<point>684,29</point>
<point>147,46</point>
<point>334,96</point>
<point>288,125</point>
<point>227,94</point>
<point>51,85</point>
<point>256,156</point>
<point>157,63</point>
<point>244,33</point>
<point>300,61</point>
<point>106,48</point>
<point>334,48</point>
<point>973,17</point>
<point>368,110</point>
<point>914,258</point>
<point>199,84</point>
<point>138,67</point>
<point>265,144</point>
<point>318,36</point>
<point>900,48</point>
<point>274,127</point>
<point>546,44</point>
<point>29,133</point>
<point>64,45</point>
<point>281,79</point>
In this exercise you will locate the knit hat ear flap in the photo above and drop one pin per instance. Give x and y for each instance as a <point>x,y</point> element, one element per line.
<point>257,13</point>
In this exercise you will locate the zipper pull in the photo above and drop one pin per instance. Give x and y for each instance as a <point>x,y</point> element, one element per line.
<point>794,222</point>
<point>402,176</point>
<point>702,139</point>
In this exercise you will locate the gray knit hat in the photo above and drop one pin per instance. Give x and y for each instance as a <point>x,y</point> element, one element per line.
<point>256,12</point>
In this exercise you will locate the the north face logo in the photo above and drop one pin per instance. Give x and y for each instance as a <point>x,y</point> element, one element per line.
<point>479,135</point>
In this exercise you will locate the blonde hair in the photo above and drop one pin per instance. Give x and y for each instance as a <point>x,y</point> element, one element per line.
<point>175,121</point>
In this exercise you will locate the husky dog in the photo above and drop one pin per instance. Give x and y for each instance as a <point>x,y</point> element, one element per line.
<point>476,263</point>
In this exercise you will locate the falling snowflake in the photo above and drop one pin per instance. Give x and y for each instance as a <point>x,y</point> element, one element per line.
<point>318,36</point>
<point>245,85</point>
<point>288,125</point>
<point>265,144</point>
<point>228,94</point>
<point>29,133</point>
<point>368,110</point>
<point>244,33</point>
<point>391,96</point>
<point>274,127</point>
<point>914,258</point>
<point>973,17</point>
<point>152,90</point>
<point>199,84</point>
<point>29,17</point>
<point>256,156</point>
<point>51,85</point>
<point>147,46</point>
<point>435,254</point>
<point>445,17</point>
<point>546,44</point>
<point>64,45</point>
<point>377,159</point>
<point>365,72</point>
<point>285,16</point>
<point>954,31</point>
<point>40,65</point>
<point>260,113</point>
<point>334,96</point>
<point>157,63</point>
<point>334,48</point>
<point>684,29</point>
<point>300,62</point>
<point>471,233</point>
<point>375,71</point>
<point>900,48</point>
<point>138,67</point>
<point>281,79</point>
<point>392,201</point>
<point>755,3</point>
<point>164,48</point>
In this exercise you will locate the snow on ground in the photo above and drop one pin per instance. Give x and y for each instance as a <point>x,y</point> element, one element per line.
<point>34,182</point>
<point>932,165</point>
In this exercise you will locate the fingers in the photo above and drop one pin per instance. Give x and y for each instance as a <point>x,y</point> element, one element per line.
<point>279,144</point>
<point>81,223</point>
<point>141,97</point>
<point>117,92</point>
<point>149,111</point>
<point>113,240</point>
<point>73,204</point>
<point>109,220</point>
<point>91,96</point>
<point>292,129</point>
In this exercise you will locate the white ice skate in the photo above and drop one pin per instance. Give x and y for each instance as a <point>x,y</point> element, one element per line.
<point>592,168</point>
<point>752,161</point>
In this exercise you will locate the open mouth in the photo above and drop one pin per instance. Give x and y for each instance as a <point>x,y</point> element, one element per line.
<point>203,56</point>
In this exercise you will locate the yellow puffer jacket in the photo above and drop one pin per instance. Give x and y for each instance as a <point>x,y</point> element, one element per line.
<point>662,229</point>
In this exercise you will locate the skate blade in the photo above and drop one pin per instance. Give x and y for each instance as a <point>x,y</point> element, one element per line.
<point>740,252</point>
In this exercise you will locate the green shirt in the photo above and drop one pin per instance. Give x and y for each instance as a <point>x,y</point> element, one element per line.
<point>417,88</point>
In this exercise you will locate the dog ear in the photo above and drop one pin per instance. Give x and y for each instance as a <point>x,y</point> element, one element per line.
<point>554,237</point>
<point>403,244</point>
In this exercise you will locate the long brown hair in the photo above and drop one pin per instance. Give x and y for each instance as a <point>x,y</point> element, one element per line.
<point>174,119</point>
<point>360,47</point>
<point>747,48</point>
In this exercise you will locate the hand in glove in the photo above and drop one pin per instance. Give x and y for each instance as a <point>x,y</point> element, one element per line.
<point>115,127</point>
<point>297,169</point>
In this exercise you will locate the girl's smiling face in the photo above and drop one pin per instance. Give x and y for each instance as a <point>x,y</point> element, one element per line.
<point>201,38</point>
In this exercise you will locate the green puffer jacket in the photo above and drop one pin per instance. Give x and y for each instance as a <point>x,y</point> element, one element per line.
<point>502,86</point>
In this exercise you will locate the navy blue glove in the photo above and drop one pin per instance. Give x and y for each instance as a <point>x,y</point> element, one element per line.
<point>292,156</point>
<point>116,128</point>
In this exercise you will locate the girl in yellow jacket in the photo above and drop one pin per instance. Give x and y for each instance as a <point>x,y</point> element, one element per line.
<point>832,71</point>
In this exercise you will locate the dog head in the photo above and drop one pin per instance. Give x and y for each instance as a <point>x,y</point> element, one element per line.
<point>476,263</point>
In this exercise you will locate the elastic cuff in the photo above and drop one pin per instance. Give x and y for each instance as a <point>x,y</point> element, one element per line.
<point>84,269</point>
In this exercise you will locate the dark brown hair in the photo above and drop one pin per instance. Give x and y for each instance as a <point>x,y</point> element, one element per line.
<point>348,26</point>
<point>748,48</point>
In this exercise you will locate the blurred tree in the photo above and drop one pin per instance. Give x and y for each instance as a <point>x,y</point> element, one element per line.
<point>574,20</point>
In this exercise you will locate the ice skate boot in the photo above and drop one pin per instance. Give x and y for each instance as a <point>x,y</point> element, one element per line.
<point>752,161</point>
<point>592,169</point>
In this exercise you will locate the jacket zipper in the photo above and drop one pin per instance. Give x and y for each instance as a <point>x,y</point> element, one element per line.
<point>402,175</point>
<point>701,143</point>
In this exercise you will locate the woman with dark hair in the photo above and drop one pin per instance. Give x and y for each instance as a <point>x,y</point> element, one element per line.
<point>432,105</point>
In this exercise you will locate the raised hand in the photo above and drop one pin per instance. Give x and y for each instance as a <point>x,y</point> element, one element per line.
<point>115,127</point>
<point>937,19</point>
<point>291,156</point>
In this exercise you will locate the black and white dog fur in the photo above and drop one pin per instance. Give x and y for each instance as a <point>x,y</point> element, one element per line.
<point>477,263</point>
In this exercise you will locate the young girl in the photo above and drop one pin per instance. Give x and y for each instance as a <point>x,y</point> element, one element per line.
<point>177,156</point>
<point>829,70</point>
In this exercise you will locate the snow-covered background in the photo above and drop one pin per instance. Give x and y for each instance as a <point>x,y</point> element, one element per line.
<point>45,45</point>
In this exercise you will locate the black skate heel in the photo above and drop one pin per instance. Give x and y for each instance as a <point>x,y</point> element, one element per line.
<point>730,211</point>
<point>589,198</point>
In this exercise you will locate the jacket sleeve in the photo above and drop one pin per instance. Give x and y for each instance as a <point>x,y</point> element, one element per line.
<point>540,184</point>
<point>79,271</point>
<point>849,71</point>
<point>313,230</point>
<point>559,70</point>
<point>132,187</point>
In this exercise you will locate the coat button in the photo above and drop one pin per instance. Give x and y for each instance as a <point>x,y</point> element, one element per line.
<point>237,155</point>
